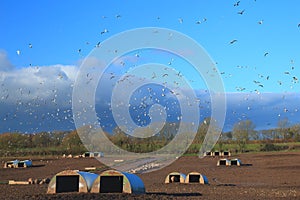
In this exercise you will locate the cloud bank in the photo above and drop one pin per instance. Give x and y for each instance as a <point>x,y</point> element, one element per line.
<point>39,98</point>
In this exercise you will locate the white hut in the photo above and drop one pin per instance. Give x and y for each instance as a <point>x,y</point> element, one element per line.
<point>71,181</point>
<point>223,162</point>
<point>235,162</point>
<point>25,163</point>
<point>208,153</point>
<point>217,153</point>
<point>175,177</point>
<point>112,181</point>
<point>11,164</point>
<point>226,153</point>
<point>196,177</point>
<point>92,154</point>
<point>18,164</point>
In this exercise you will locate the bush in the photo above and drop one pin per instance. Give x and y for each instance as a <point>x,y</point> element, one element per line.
<point>273,147</point>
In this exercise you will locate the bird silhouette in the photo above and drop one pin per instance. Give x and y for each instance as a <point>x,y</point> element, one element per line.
<point>237,3</point>
<point>260,22</point>
<point>241,12</point>
<point>233,41</point>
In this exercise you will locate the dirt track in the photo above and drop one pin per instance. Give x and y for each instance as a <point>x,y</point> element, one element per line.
<point>269,176</point>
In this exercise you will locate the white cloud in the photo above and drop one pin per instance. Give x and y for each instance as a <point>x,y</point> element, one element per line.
<point>5,64</point>
<point>37,82</point>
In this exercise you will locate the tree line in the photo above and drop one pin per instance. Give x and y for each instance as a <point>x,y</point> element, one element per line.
<point>59,142</point>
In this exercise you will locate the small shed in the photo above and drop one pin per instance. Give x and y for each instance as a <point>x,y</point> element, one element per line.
<point>18,164</point>
<point>226,153</point>
<point>235,162</point>
<point>112,181</point>
<point>196,177</point>
<point>11,164</point>
<point>92,154</point>
<point>71,181</point>
<point>25,163</point>
<point>209,153</point>
<point>217,153</point>
<point>223,162</point>
<point>175,177</point>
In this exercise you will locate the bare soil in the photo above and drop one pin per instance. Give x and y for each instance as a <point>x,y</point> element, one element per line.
<point>265,176</point>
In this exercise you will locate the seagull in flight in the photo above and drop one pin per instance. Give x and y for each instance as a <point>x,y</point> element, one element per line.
<point>241,12</point>
<point>104,31</point>
<point>233,41</point>
<point>237,3</point>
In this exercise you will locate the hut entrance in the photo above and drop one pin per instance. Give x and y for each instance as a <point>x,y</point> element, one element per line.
<point>21,164</point>
<point>111,184</point>
<point>226,153</point>
<point>217,153</point>
<point>174,179</point>
<point>222,162</point>
<point>234,162</point>
<point>87,154</point>
<point>67,183</point>
<point>194,178</point>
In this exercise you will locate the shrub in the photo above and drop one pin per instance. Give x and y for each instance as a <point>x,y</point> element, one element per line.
<point>273,147</point>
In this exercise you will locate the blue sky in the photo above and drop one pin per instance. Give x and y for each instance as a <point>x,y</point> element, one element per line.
<point>40,42</point>
<point>57,30</point>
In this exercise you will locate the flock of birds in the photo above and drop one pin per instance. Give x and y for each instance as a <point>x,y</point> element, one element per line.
<point>66,114</point>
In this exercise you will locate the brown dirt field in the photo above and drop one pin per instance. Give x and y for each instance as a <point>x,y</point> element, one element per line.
<point>269,176</point>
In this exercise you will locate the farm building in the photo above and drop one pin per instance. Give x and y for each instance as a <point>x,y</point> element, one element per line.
<point>226,153</point>
<point>235,162</point>
<point>217,153</point>
<point>196,177</point>
<point>71,181</point>
<point>209,153</point>
<point>175,177</point>
<point>92,154</point>
<point>112,181</point>
<point>18,164</point>
<point>223,162</point>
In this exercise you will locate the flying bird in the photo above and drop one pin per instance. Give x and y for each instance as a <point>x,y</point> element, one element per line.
<point>237,3</point>
<point>233,41</point>
<point>295,78</point>
<point>180,20</point>
<point>298,25</point>
<point>104,31</point>
<point>241,12</point>
<point>260,22</point>
<point>30,45</point>
<point>18,52</point>
<point>266,54</point>
<point>98,44</point>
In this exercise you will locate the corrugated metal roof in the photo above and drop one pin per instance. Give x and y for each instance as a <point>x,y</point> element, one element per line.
<point>89,178</point>
<point>136,183</point>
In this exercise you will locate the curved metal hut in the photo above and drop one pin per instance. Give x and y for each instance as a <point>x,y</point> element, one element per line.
<point>235,162</point>
<point>71,181</point>
<point>175,177</point>
<point>223,162</point>
<point>196,177</point>
<point>112,181</point>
